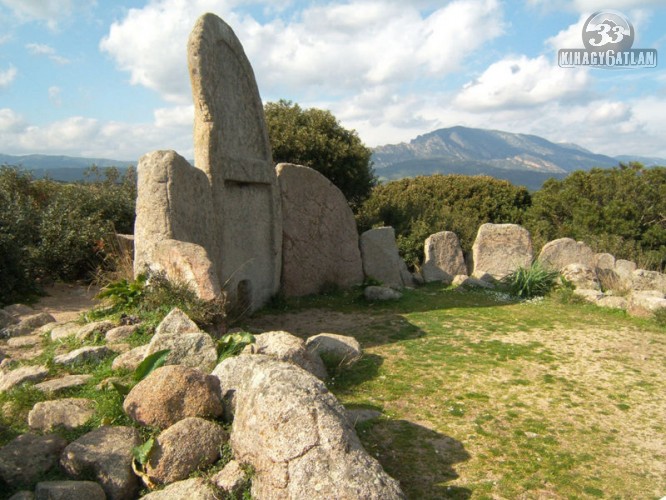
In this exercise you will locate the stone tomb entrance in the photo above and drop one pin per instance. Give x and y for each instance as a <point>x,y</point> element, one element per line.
<point>230,214</point>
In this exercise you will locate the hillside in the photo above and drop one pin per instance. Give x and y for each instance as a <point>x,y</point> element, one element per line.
<point>522,159</point>
<point>61,168</point>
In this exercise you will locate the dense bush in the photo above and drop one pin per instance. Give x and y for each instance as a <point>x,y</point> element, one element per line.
<point>56,231</point>
<point>421,206</point>
<point>621,211</point>
<point>314,138</point>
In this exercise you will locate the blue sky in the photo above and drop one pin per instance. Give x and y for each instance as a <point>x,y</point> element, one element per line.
<point>109,79</point>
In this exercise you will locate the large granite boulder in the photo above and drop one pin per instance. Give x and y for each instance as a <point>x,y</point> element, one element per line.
<point>296,435</point>
<point>319,237</point>
<point>444,258</point>
<point>106,455</point>
<point>559,253</point>
<point>500,249</point>
<point>284,346</point>
<point>172,393</point>
<point>381,260</point>
<point>581,276</point>
<point>642,280</point>
<point>28,457</point>
<point>184,447</point>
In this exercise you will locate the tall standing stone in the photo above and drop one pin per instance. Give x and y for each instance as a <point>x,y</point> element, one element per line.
<point>231,146</point>
<point>227,209</point>
<point>444,258</point>
<point>500,249</point>
<point>320,240</point>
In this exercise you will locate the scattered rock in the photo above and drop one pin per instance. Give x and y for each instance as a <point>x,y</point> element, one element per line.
<point>500,249</point>
<point>591,295</point>
<point>120,333</point>
<point>642,280</point>
<point>64,330</point>
<point>18,310</point>
<point>284,346</point>
<point>28,457</point>
<point>320,239</point>
<point>82,355</point>
<point>381,293</point>
<point>106,453</point>
<point>66,382</point>
<point>172,393</point>
<point>69,413</point>
<point>613,302</point>
<point>559,253</point>
<point>581,276</point>
<point>131,359</point>
<point>176,322</point>
<point>443,258</point>
<point>182,448</point>
<point>28,325</point>
<point>231,479</point>
<point>645,303</point>
<point>625,270</point>
<point>13,378</point>
<point>335,350</point>
<point>604,261</point>
<point>23,495</point>
<point>381,260</point>
<point>25,341</point>
<point>190,489</point>
<point>464,281</point>
<point>69,490</point>
<point>6,319</point>
<point>296,435</point>
<point>196,350</point>
<point>97,328</point>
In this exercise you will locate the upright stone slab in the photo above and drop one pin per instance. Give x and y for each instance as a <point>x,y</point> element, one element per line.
<point>320,240</point>
<point>381,260</point>
<point>231,147</point>
<point>444,258</point>
<point>500,249</point>
<point>227,209</point>
<point>559,253</point>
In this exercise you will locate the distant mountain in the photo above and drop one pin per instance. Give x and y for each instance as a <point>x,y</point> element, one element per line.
<point>648,161</point>
<point>519,158</point>
<point>61,168</point>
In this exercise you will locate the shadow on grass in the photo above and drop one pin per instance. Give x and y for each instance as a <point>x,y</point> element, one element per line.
<point>421,459</point>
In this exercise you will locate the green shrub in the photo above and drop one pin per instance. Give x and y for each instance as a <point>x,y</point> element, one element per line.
<point>528,282</point>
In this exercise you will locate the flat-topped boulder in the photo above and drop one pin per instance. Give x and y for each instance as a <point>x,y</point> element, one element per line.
<point>444,258</point>
<point>500,249</point>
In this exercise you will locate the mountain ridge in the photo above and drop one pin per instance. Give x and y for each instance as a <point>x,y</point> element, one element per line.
<point>520,158</point>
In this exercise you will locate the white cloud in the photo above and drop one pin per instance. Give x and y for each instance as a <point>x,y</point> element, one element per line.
<point>570,38</point>
<point>175,116</point>
<point>40,49</point>
<point>590,6</point>
<point>336,48</point>
<point>520,81</point>
<point>10,121</point>
<point>7,76</point>
<point>49,11</point>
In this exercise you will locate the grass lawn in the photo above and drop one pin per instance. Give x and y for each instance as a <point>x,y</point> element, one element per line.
<point>488,398</point>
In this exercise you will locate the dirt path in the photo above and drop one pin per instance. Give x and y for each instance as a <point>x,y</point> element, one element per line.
<point>67,301</point>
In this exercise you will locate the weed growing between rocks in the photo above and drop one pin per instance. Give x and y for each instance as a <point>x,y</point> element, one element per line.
<point>150,297</point>
<point>533,281</point>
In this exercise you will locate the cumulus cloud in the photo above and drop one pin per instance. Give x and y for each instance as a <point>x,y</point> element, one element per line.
<point>49,11</point>
<point>336,47</point>
<point>7,76</point>
<point>10,121</point>
<point>593,5</point>
<point>40,49</point>
<point>519,81</point>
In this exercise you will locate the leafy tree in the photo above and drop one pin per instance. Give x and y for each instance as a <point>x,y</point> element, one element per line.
<point>418,207</point>
<point>621,211</point>
<point>314,138</point>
